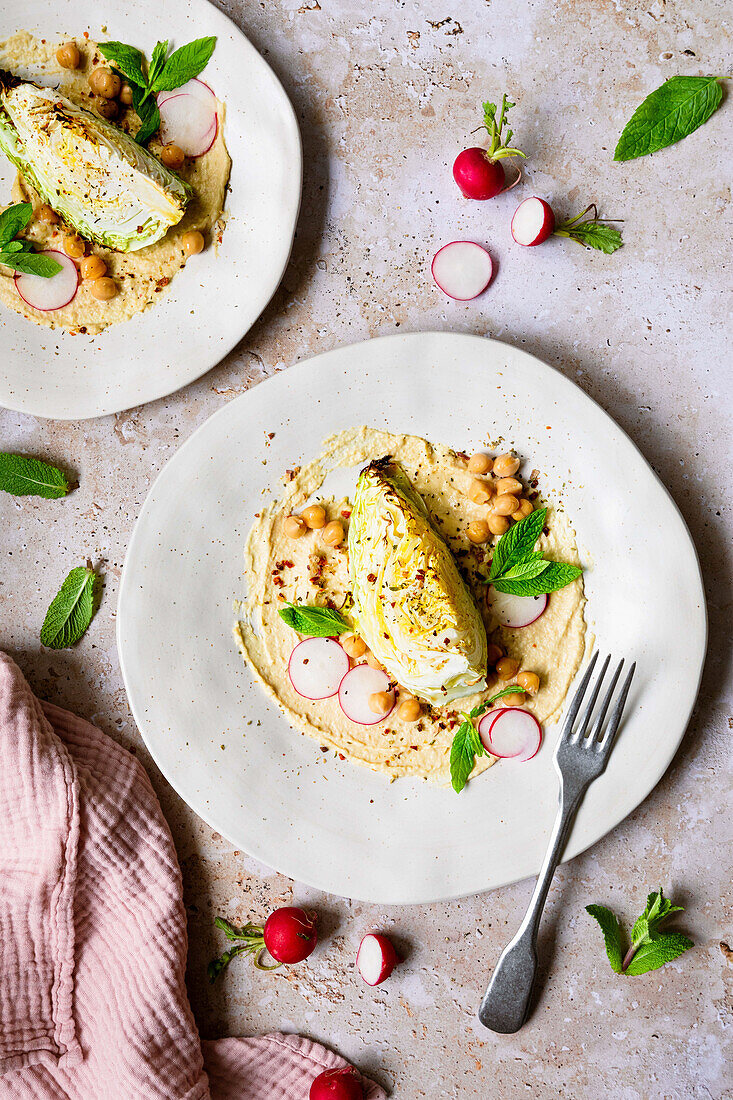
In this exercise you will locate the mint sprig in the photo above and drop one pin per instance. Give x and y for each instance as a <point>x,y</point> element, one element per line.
<point>319,622</point>
<point>160,75</point>
<point>71,609</point>
<point>23,476</point>
<point>650,949</point>
<point>467,744</point>
<point>593,232</point>
<point>19,255</point>
<point>519,570</point>
<point>668,114</point>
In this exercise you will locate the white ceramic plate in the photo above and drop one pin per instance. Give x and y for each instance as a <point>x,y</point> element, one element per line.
<point>337,826</point>
<point>214,301</point>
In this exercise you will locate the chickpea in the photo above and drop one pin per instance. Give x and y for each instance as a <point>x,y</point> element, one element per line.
<point>353,645</point>
<point>479,531</point>
<point>480,491</point>
<point>333,533</point>
<point>507,668</point>
<point>508,485</point>
<point>530,681</point>
<point>105,83</point>
<point>74,247</point>
<point>505,505</point>
<point>192,242</point>
<point>294,527</point>
<point>480,464</point>
<point>46,214</point>
<point>68,55</point>
<point>93,267</point>
<point>494,653</point>
<point>372,661</point>
<point>506,465</point>
<point>126,95</point>
<point>498,525</point>
<point>516,699</point>
<point>410,709</point>
<point>104,288</point>
<point>172,155</point>
<point>314,516</point>
<point>107,108</point>
<point>380,702</point>
<point>524,510</point>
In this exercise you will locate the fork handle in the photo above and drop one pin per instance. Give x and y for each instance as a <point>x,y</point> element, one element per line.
<point>506,1001</point>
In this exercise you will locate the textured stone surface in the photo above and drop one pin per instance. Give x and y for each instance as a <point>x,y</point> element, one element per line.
<point>386,93</point>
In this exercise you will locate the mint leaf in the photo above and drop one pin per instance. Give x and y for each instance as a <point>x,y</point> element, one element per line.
<point>14,219</point>
<point>184,64</point>
<point>31,263</point>
<point>319,622</point>
<point>157,60</point>
<point>464,750</point>
<point>15,246</point>
<point>557,575</point>
<point>667,115</point>
<point>658,951</point>
<point>24,476</point>
<point>526,569</point>
<point>71,610</point>
<point>611,934</point>
<point>518,542</point>
<point>148,113</point>
<point>127,59</point>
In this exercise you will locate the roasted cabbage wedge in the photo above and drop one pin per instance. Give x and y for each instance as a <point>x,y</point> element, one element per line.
<point>102,183</point>
<point>411,604</point>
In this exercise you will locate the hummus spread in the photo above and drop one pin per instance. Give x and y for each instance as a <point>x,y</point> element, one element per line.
<point>279,569</point>
<point>141,276</point>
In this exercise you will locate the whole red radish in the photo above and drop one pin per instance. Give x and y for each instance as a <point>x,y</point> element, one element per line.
<point>337,1084</point>
<point>290,934</point>
<point>478,172</point>
<point>376,958</point>
<point>533,222</point>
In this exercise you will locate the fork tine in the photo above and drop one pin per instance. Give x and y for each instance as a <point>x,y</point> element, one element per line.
<point>595,733</point>
<point>578,699</point>
<point>614,721</point>
<point>588,709</point>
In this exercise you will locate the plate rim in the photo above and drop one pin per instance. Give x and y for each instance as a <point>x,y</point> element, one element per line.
<point>109,407</point>
<point>572,850</point>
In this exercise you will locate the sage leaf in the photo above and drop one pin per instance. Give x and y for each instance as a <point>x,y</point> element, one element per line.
<point>24,476</point>
<point>668,114</point>
<point>612,937</point>
<point>71,610</point>
<point>319,622</point>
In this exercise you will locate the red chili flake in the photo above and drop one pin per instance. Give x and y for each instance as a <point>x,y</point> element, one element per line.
<point>270,435</point>
<point>341,756</point>
<point>346,513</point>
<point>323,748</point>
<point>414,748</point>
<point>371,577</point>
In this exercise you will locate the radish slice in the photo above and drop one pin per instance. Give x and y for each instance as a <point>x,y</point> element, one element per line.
<point>513,734</point>
<point>355,690</point>
<point>316,667</point>
<point>484,732</point>
<point>197,88</point>
<point>533,222</point>
<point>462,270</point>
<point>190,122</point>
<point>52,293</point>
<point>515,611</point>
<point>376,958</point>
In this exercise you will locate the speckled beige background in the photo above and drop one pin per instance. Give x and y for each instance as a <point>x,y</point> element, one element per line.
<point>386,93</point>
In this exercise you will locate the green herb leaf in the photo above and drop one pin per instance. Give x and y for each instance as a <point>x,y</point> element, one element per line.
<point>157,60</point>
<point>593,234</point>
<point>464,750</point>
<point>216,966</point>
<point>499,146</point>
<point>184,64</point>
<point>320,622</point>
<point>15,246</point>
<point>31,263</point>
<point>658,951</point>
<point>513,689</point>
<point>518,543</point>
<point>557,575</point>
<point>24,476</point>
<point>611,934</point>
<point>14,219</point>
<point>71,610</point>
<point>670,113</point>
<point>127,59</point>
<point>530,567</point>
<point>148,113</point>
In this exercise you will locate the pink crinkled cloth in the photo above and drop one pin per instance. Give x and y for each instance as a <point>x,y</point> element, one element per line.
<point>93,1002</point>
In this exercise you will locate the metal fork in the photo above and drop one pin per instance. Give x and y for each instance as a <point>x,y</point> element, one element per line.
<point>580,757</point>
